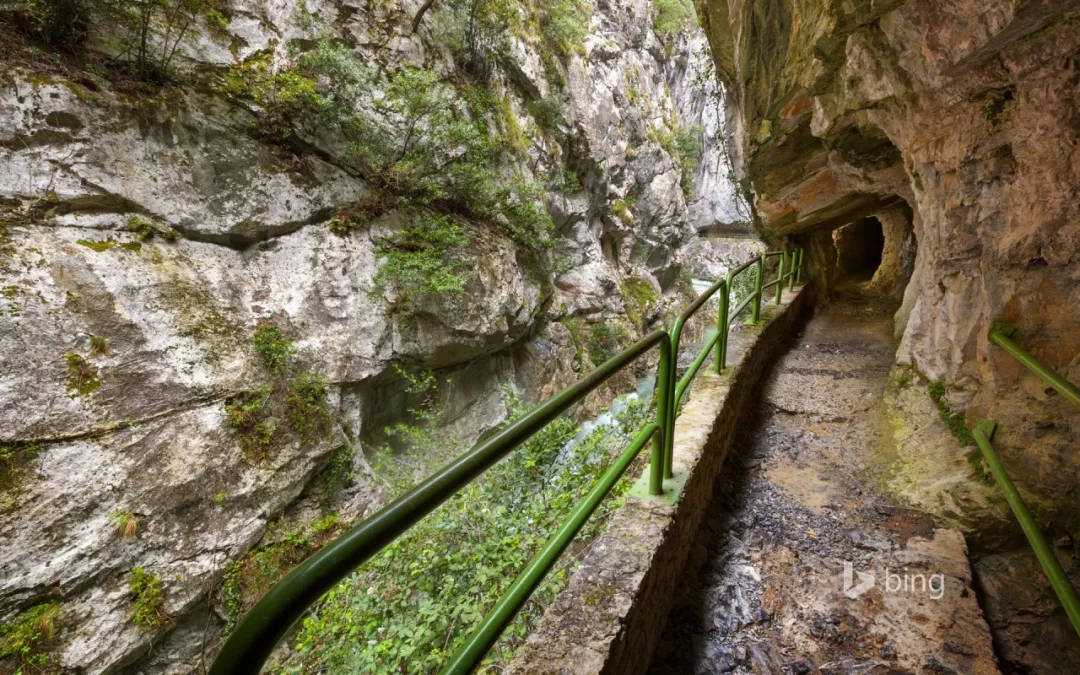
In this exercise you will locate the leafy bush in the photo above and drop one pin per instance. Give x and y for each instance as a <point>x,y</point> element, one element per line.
<point>478,33</point>
<point>315,89</point>
<point>274,348</point>
<point>23,638</point>
<point>145,34</point>
<point>548,111</point>
<point>425,258</point>
<point>564,25</point>
<point>148,612</point>
<point>410,606</point>
<point>293,402</point>
<point>606,340</point>
<point>673,16</point>
<point>688,151</point>
<point>422,143</point>
<point>82,378</point>
<point>528,222</point>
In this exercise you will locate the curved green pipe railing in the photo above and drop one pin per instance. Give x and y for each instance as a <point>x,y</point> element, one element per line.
<point>259,631</point>
<point>491,628</point>
<point>982,433</point>
<point>261,628</point>
<point>1003,335</point>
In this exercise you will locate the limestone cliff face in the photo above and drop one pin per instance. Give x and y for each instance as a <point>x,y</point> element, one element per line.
<point>959,122</point>
<point>149,437</point>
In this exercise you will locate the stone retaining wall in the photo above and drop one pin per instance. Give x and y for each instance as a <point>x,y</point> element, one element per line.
<point>610,617</point>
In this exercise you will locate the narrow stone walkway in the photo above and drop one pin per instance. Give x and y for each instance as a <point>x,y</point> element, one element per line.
<point>766,590</point>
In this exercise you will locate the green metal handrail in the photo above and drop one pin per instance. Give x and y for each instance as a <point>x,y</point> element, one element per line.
<point>1002,335</point>
<point>982,433</point>
<point>259,631</point>
<point>502,614</point>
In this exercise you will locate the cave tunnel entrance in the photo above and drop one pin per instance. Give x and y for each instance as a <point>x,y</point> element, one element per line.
<point>859,249</point>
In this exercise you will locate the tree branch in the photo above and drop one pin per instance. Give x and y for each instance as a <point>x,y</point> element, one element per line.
<point>420,14</point>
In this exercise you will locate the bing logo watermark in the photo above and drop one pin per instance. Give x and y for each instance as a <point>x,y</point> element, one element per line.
<point>856,583</point>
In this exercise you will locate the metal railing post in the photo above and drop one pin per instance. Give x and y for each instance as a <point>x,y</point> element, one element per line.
<point>798,269</point>
<point>660,463</point>
<point>780,277</point>
<point>791,272</point>
<point>722,326</point>
<point>755,316</point>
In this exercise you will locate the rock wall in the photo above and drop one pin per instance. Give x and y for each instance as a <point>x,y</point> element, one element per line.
<point>121,348</point>
<point>966,113</point>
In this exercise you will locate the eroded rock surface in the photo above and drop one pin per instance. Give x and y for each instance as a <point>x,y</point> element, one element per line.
<point>966,113</point>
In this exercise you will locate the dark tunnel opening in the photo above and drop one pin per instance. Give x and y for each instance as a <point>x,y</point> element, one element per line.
<point>859,248</point>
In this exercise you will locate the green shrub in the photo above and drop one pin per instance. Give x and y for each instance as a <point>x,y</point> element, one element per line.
<point>305,406</point>
<point>273,347</point>
<point>606,340</point>
<point>148,612</point>
<point>426,258</point>
<point>570,183</point>
<point>478,33</point>
<point>82,378</point>
<point>688,151</point>
<point>564,25</point>
<point>638,297</point>
<point>315,90</point>
<point>529,224</point>
<point>548,111</point>
<point>24,637</point>
<point>145,35</point>
<point>673,16</point>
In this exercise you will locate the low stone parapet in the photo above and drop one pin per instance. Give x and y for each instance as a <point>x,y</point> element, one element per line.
<point>610,617</point>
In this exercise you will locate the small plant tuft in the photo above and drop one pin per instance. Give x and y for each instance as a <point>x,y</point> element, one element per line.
<point>955,424</point>
<point>274,348</point>
<point>82,378</point>
<point>141,227</point>
<point>606,340</point>
<point>99,345</point>
<point>24,637</point>
<point>125,523</point>
<point>149,612</point>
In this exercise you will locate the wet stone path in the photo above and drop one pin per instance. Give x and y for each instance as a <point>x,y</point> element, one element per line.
<point>796,503</point>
